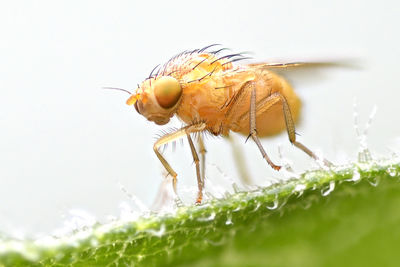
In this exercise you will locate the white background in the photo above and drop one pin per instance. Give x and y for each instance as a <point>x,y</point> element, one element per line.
<point>66,144</point>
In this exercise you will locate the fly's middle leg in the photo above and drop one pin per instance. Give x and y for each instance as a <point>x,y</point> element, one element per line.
<point>231,113</point>
<point>253,129</point>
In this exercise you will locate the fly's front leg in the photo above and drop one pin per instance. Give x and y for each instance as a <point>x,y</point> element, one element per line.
<point>172,137</point>
<point>253,129</point>
<point>196,161</point>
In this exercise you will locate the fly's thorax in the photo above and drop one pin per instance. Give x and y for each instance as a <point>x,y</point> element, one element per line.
<point>157,99</point>
<point>209,99</point>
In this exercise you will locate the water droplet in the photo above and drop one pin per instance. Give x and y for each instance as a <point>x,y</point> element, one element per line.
<point>299,188</point>
<point>374,181</point>
<point>256,207</point>
<point>239,207</point>
<point>229,220</point>
<point>207,219</point>
<point>314,187</point>
<point>356,177</point>
<point>275,204</point>
<point>328,189</point>
<point>157,233</point>
<point>392,171</point>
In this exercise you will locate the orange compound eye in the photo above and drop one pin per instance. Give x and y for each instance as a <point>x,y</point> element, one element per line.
<point>167,91</point>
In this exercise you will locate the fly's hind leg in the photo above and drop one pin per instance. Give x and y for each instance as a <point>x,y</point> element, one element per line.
<point>264,104</point>
<point>198,127</point>
<point>291,130</point>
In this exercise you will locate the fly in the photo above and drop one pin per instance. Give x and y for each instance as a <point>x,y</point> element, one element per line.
<point>210,93</point>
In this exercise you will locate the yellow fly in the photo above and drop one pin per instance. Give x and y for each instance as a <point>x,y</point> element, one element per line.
<point>210,93</point>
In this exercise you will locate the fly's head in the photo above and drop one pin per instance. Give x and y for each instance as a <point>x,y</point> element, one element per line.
<point>157,99</point>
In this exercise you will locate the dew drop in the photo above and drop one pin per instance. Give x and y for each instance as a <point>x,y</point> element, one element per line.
<point>299,188</point>
<point>229,220</point>
<point>239,207</point>
<point>283,203</point>
<point>356,177</point>
<point>160,232</point>
<point>207,219</point>
<point>374,181</point>
<point>392,171</point>
<point>275,204</point>
<point>328,189</point>
<point>314,187</point>
<point>256,207</point>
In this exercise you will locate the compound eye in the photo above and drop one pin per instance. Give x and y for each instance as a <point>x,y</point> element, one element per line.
<point>167,91</point>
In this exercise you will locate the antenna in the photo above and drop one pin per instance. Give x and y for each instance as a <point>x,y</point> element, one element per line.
<point>119,89</point>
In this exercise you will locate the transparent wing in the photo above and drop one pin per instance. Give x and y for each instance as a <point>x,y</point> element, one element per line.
<point>285,65</point>
<point>303,72</point>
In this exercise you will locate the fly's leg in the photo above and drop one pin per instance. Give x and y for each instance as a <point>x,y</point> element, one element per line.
<point>198,127</point>
<point>203,152</point>
<point>253,129</point>
<point>292,133</point>
<point>233,103</point>
<point>196,161</point>
<point>232,108</point>
<point>266,103</point>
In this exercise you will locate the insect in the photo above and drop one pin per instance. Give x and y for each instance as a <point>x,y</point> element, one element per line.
<point>210,93</point>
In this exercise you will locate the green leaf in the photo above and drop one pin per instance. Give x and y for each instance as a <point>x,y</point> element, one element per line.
<point>349,215</point>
